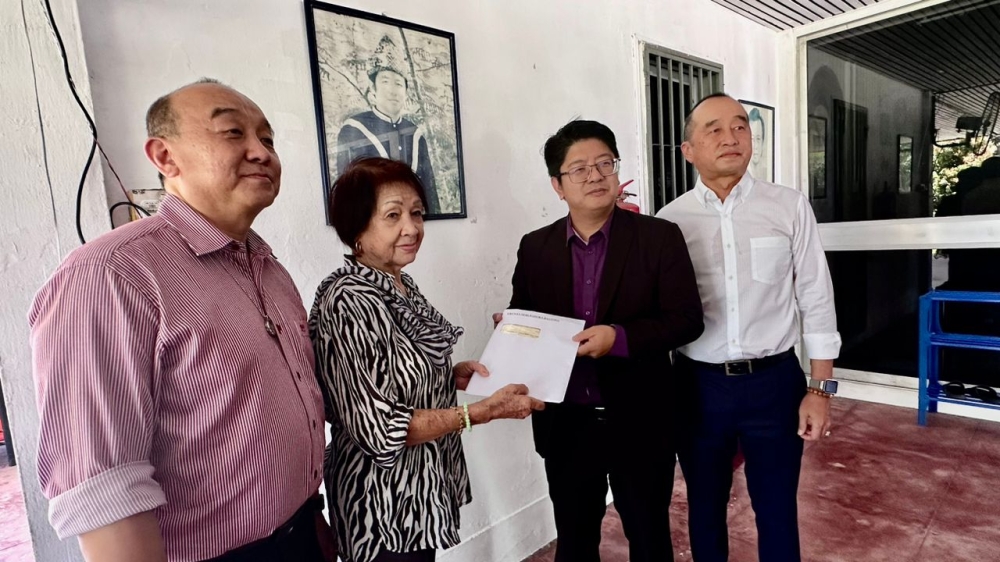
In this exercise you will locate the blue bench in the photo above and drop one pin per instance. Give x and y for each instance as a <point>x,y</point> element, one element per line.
<point>933,338</point>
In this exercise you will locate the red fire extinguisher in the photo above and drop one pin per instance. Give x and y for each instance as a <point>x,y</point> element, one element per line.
<point>623,195</point>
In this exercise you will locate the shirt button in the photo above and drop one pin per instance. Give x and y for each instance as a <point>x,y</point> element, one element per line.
<point>730,277</point>
<point>590,251</point>
<point>298,374</point>
<point>589,281</point>
<point>586,313</point>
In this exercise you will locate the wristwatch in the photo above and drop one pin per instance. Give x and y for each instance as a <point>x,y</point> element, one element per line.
<point>828,386</point>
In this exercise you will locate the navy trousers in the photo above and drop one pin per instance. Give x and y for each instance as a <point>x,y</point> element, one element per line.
<point>758,411</point>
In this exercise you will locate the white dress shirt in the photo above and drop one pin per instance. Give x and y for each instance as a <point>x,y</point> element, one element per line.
<point>761,270</point>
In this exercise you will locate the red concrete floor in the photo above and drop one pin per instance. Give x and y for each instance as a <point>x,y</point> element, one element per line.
<point>15,544</point>
<point>880,489</point>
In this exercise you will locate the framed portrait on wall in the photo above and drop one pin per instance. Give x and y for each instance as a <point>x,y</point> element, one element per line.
<point>904,163</point>
<point>389,88</point>
<point>762,128</point>
<point>817,157</point>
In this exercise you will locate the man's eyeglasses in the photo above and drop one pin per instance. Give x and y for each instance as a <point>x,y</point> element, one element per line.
<point>579,174</point>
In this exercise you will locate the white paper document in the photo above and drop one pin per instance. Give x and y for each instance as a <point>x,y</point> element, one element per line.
<point>533,349</point>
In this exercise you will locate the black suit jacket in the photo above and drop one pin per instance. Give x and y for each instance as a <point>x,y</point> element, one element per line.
<point>649,289</point>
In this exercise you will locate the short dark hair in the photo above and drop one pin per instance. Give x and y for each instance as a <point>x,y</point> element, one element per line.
<point>687,118</point>
<point>571,133</point>
<point>969,179</point>
<point>351,203</point>
<point>991,167</point>
<point>161,121</point>
<point>755,115</point>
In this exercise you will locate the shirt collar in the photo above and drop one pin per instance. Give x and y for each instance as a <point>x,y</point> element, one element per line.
<point>571,232</point>
<point>202,236</point>
<point>740,191</point>
<point>385,117</point>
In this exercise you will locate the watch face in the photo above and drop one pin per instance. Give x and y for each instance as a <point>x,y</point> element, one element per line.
<point>830,386</point>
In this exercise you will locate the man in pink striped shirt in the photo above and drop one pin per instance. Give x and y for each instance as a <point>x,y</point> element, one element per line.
<point>180,416</point>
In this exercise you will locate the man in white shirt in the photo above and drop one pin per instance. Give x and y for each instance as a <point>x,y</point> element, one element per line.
<point>763,280</point>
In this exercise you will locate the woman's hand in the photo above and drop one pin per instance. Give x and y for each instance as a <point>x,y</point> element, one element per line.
<point>510,402</point>
<point>463,372</point>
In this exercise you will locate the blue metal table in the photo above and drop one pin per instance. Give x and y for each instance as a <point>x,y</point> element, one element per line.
<point>933,338</point>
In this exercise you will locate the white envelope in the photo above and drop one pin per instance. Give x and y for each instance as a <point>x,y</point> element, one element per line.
<point>533,349</point>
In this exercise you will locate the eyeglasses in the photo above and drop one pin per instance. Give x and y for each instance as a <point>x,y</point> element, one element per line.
<point>580,174</point>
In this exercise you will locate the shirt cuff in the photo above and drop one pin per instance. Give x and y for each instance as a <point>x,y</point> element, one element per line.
<point>620,348</point>
<point>113,495</point>
<point>822,346</point>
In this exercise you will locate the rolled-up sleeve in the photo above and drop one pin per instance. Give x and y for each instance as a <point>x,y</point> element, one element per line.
<point>354,324</point>
<point>93,343</point>
<point>813,287</point>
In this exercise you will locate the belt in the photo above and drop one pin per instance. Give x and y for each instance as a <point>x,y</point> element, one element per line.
<point>267,547</point>
<point>744,367</point>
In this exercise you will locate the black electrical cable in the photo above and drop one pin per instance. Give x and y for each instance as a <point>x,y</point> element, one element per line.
<point>111,211</point>
<point>90,121</point>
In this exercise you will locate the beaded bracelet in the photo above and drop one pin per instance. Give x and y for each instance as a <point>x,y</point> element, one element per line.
<point>461,420</point>
<point>819,392</point>
<point>468,422</point>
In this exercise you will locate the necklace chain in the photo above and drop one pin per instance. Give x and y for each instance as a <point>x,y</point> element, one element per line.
<point>269,325</point>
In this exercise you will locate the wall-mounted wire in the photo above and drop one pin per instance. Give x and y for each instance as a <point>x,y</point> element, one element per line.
<point>131,205</point>
<point>94,145</point>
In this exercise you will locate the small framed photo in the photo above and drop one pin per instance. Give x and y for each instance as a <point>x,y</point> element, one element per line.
<point>904,163</point>
<point>762,128</point>
<point>389,88</point>
<point>817,157</point>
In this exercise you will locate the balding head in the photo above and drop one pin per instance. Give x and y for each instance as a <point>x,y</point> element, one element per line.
<point>161,121</point>
<point>214,149</point>
<point>718,141</point>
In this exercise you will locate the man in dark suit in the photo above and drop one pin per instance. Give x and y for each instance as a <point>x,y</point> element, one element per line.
<point>630,278</point>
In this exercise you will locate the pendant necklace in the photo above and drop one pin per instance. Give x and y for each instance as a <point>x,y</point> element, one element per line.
<point>269,326</point>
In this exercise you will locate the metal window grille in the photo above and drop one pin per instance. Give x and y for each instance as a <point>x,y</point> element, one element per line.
<point>676,83</point>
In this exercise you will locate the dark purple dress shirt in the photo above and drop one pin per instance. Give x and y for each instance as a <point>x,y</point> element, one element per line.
<point>588,266</point>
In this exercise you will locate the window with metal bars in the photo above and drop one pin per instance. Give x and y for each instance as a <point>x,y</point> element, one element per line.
<point>676,83</point>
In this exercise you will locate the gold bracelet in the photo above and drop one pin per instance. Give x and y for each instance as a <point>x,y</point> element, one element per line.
<point>461,419</point>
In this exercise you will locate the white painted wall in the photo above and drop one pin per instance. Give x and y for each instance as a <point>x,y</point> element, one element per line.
<point>37,225</point>
<point>525,68</point>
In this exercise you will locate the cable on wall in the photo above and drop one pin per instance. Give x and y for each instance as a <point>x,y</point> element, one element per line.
<point>94,145</point>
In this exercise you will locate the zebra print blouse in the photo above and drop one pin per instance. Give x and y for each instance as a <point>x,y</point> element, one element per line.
<point>381,355</point>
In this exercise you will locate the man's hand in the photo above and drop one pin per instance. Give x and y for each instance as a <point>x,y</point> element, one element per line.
<point>497,317</point>
<point>814,417</point>
<point>595,341</point>
<point>463,372</point>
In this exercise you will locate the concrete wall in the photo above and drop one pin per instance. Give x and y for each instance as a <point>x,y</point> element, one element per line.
<point>40,165</point>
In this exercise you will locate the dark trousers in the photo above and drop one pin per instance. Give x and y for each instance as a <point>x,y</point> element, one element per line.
<point>586,455</point>
<point>758,411</point>
<point>295,541</point>
<point>418,556</point>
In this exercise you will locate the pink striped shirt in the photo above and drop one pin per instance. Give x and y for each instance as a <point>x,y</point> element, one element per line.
<point>160,389</point>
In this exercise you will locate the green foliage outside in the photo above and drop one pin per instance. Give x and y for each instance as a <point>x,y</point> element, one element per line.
<point>948,162</point>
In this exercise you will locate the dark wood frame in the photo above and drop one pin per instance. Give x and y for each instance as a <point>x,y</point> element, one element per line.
<point>815,193</point>
<point>321,124</point>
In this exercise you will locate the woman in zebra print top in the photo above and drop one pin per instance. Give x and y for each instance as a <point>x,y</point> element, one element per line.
<point>395,471</point>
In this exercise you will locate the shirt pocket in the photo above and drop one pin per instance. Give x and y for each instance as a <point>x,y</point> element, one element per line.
<point>770,258</point>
